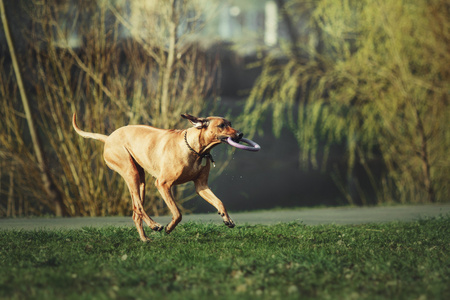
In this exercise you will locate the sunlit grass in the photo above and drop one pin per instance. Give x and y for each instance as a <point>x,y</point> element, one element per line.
<point>200,261</point>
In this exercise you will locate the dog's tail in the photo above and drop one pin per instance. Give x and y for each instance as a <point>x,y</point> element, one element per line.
<point>91,135</point>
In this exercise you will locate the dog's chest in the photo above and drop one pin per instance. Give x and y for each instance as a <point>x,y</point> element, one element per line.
<point>192,171</point>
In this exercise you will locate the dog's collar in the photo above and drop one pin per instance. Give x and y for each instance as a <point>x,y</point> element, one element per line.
<point>204,155</point>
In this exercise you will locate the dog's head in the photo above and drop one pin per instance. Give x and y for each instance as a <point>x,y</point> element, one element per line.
<point>215,129</point>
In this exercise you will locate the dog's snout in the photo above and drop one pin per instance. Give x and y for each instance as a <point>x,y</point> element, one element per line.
<point>239,135</point>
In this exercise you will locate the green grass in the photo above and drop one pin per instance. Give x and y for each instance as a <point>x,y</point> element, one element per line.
<point>202,261</point>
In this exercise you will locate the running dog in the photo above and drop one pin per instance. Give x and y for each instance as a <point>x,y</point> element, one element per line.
<point>171,156</point>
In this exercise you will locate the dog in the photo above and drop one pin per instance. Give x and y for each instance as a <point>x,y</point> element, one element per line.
<point>171,156</point>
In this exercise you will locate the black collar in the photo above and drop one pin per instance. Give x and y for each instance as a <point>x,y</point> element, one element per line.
<point>207,155</point>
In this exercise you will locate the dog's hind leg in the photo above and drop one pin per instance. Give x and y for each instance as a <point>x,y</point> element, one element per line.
<point>119,160</point>
<point>152,224</point>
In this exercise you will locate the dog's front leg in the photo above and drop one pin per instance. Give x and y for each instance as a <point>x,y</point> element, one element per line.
<point>205,192</point>
<point>164,189</point>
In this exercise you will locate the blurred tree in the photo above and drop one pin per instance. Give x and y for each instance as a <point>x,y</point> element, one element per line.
<point>114,65</point>
<point>373,75</point>
<point>51,191</point>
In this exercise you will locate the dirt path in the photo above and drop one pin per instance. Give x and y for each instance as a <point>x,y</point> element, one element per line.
<point>316,216</point>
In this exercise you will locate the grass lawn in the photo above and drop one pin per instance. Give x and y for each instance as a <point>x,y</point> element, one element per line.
<point>204,261</point>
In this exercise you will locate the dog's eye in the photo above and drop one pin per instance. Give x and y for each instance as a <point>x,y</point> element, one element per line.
<point>221,126</point>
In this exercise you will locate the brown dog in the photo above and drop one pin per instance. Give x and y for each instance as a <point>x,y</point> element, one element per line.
<point>171,156</point>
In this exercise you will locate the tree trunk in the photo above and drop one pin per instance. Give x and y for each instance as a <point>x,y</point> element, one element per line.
<point>292,30</point>
<point>50,188</point>
<point>10,208</point>
<point>173,26</point>
<point>423,153</point>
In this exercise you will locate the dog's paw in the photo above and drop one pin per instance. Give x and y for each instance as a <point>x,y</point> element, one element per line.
<point>145,239</point>
<point>158,228</point>
<point>229,223</point>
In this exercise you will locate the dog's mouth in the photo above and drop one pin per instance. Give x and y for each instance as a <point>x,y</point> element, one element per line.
<point>235,142</point>
<point>224,139</point>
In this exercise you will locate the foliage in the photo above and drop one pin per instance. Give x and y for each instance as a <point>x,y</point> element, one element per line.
<point>198,261</point>
<point>370,75</point>
<point>110,80</point>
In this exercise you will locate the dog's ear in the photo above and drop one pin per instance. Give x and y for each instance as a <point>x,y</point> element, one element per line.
<point>196,122</point>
